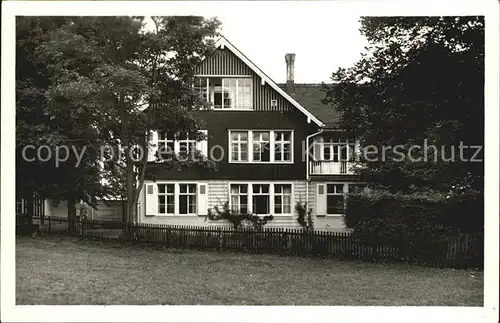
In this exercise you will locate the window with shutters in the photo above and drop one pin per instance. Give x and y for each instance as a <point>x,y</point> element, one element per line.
<point>166,198</point>
<point>187,199</point>
<point>174,198</point>
<point>266,146</point>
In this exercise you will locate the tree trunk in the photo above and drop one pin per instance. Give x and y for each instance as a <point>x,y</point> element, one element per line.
<point>130,177</point>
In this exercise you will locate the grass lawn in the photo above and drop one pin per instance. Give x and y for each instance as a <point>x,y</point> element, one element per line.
<point>60,271</point>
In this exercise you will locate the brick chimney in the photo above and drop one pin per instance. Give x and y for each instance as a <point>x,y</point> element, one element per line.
<point>290,59</point>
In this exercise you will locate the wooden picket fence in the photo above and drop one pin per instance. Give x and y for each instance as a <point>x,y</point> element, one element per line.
<point>455,251</point>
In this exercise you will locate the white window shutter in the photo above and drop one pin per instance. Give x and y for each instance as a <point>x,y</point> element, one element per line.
<point>153,146</point>
<point>202,199</point>
<point>202,145</point>
<point>320,199</point>
<point>151,199</point>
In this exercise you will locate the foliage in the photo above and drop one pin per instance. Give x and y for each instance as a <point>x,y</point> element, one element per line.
<point>304,217</point>
<point>108,81</point>
<point>38,123</point>
<point>237,219</point>
<point>384,214</point>
<point>420,80</point>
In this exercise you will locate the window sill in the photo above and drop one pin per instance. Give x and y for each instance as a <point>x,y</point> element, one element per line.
<point>261,163</point>
<point>274,215</point>
<point>233,109</point>
<point>172,215</point>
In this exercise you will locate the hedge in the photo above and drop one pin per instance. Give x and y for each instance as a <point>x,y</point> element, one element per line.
<point>384,214</point>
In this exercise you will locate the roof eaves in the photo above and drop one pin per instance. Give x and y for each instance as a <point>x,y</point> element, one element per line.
<point>224,42</point>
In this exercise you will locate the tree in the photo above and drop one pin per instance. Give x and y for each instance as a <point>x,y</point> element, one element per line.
<point>38,123</point>
<point>126,81</point>
<point>420,81</point>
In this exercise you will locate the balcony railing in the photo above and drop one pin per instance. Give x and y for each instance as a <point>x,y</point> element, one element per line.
<point>329,168</point>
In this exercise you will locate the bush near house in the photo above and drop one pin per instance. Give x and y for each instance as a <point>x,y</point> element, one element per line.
<point>411,215</point>
<point>304,216</point>
<point>238,219</point>
<point>420,223</point>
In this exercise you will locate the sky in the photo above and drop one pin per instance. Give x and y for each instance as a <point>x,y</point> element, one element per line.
<point>322,44</point>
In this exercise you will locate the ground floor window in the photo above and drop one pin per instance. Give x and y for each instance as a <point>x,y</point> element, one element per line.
<point>166,198</point>
<point>174,198</point>
<point>239,198</point>
<point>332,197</point>
<point>282,198</point>
<point>261,198</point>
<point>187,199</point>
<point>335,203</point>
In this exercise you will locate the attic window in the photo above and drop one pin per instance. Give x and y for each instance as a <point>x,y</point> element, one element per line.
<point>225,93</point>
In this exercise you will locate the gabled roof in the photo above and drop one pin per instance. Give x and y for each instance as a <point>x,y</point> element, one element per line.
<point>223,42</point>
<point>311,95</point>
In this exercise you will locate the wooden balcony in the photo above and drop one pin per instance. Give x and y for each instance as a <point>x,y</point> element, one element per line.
<point>330,168</point>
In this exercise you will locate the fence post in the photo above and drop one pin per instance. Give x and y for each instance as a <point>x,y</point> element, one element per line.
<point>219,235</point>
<point>375,248</point>
<point>49,223</point>
<point>410,252</point>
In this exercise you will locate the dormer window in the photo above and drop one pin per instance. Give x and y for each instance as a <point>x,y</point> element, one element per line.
<point>226,93</point>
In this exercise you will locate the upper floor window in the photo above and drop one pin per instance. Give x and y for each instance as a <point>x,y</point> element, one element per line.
<point>170,144</point>
<point>266,146</point>
<point>282,146</point>
<point>261,143</point>
<point>226,92</point>
<point>334,149</point>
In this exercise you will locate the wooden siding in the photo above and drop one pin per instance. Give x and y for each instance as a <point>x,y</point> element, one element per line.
<point>224,62</point>
<point>218,123</point>
<point>262,96</point>
<point>110,211</point>
<point>218,194</point>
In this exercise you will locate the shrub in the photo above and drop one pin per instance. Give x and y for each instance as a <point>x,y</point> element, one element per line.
<point>304,217</point>
<point>376,212</point>
<point>238,220</point>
